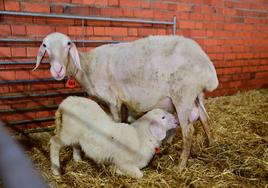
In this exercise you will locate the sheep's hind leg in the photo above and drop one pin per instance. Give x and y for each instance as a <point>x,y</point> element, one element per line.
<point>55,145</point>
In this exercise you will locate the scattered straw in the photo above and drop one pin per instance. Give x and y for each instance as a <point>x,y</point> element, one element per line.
<point>238,159</point>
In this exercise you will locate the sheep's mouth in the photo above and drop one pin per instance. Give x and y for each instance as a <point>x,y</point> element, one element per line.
<point>59,78</point>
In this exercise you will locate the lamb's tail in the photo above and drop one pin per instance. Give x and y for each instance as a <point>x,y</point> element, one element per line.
<point>58,120</point>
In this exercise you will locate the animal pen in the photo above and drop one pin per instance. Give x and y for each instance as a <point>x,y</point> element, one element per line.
<point>232,33</point>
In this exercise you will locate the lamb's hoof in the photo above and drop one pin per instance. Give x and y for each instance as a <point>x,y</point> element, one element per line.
<point>138,175</point>
<point>55,170</point>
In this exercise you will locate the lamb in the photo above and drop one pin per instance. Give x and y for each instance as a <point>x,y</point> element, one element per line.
<point>81,121</point>
<point>142,75</point>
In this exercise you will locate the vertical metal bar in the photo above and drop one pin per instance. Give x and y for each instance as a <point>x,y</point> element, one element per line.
<point>174,25</point>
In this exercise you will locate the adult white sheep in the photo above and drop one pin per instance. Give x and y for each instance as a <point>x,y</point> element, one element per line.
<point>129,147</point>
<point>144,74</point>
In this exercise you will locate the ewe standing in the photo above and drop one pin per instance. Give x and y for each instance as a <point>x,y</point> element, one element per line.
<point>144,74</point>
<point>81,121</point>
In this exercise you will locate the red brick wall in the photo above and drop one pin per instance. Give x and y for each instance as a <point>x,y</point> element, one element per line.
<point>234,33</point>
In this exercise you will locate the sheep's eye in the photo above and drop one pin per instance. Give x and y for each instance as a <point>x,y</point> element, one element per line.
<point>69,43</point>
<point>44,45</point>
<point>163,117</point>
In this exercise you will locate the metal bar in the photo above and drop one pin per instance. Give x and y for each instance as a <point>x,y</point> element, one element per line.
<point>19,63</point>
<point>52,94</point>
<point>38,130</point>
<point>174,25</point>
<point>30,81</point>
<point>33,109</point>
<point>25,122</point>
<point>68,16</point>
<point>39,40</point>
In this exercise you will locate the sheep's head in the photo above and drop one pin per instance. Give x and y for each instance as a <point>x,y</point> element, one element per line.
<point>58,47</point>
<point>160,122</point>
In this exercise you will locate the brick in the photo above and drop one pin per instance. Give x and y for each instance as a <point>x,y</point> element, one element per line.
<point>146,31</point>
<point>76,30</point>
<point>39,30</point>
<point>35,7</point>
<point>116,31</point>
<point>22,75</point>
<point>143,13</point>
<point>130,3</point>
<point>12,6</point>
<point>186,24</point>
<point>3,89</point>
<point>62,29</point>
<point>18,52</point>
<point>101,2</point>
<point>113,2</point>
<point>99,31</point>
<point>40,73</point>
<point>161,31</point>
<point>115,12</point>
<point>5,52</point>
<point>145,4</point>
<point>7,75</point>
<point>132,31</point>
<point>184,8</point>
<point>5,30</point>
<point>31,51</point>
<point>18,30</point>
<point>127,12</point>
<point>261,75</point>
<point>89,31</point>
<point>56,9</point>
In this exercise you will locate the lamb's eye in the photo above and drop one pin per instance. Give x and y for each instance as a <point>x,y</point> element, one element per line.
<point>163,117</point>
<point>69,43</point>
<point>44,45</point>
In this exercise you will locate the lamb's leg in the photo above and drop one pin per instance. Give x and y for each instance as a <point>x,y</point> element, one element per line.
<point>55,145</point>
<point>130,170</point>
<point>77,153</point>
<point>116,112</point>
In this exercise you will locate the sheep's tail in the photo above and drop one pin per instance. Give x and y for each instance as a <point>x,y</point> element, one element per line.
<point>58,120</point>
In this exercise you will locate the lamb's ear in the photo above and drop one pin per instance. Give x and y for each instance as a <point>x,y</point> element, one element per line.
<point>157,130</point>
<point>75,56</point>
<point>40,55</point>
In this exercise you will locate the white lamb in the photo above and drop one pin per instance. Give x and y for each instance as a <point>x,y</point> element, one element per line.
<point>154,72</point>
<point>81,121</point>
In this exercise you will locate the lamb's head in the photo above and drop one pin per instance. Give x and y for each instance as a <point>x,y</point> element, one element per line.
<point>58,47</point>
<point>160,122</point>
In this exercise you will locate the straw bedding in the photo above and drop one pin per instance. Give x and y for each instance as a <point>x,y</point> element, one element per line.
<point>239,157</point>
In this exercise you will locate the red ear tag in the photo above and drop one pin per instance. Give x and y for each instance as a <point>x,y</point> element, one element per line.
<point>70,83</point>
<point>157,150</point>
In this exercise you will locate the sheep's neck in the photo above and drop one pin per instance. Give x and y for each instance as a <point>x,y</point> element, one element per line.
<point>82,76</point>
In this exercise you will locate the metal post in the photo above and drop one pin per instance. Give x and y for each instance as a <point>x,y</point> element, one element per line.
<point>174,25</point>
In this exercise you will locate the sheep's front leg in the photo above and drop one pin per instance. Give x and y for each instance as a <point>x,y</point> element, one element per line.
<point>77,153</point>
<point>116,112</point>
<point>55,146</point>
<point>130,170</point>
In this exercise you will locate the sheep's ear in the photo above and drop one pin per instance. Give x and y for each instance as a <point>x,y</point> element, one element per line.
<point>157,130</point>
<point>40,55</point>
<point>75,56</point>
